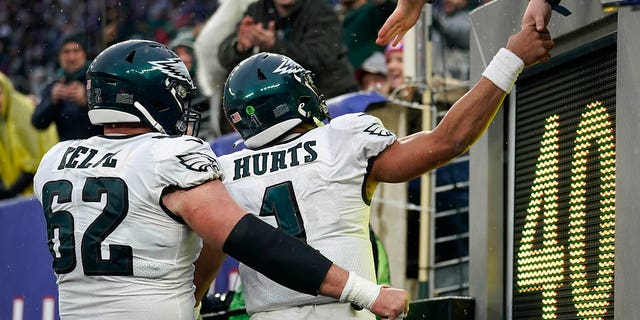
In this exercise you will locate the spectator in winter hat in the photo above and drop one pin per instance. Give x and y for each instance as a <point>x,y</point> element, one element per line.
<point>64,101</point>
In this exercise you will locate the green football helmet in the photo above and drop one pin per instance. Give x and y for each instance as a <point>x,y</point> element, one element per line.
<point>141,81</point>
<point>268,94</point>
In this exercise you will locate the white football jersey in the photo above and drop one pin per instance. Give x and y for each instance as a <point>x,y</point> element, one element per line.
<point>117,253</point>
<point>311,187</point>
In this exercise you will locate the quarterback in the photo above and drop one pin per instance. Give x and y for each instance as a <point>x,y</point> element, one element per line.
<point>315,181</point>
<point>127,212</point>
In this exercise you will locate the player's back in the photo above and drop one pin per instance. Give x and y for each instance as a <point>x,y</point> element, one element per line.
<point>310,187</point>
<point>117,253</point>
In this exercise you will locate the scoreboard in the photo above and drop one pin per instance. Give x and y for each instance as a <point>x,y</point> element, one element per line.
<point>564,187</point>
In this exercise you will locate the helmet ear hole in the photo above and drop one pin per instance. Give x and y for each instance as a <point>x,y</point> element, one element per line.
<point>303,99</point>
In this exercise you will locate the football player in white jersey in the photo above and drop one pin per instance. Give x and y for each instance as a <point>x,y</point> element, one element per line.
<point>315,181</point>
<point>126,211</point>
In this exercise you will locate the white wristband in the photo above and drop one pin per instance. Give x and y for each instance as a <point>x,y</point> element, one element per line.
<point>360,291</point>
<point>504,69</point>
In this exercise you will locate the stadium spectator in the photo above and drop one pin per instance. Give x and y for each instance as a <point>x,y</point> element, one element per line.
<point>407,12</point>
<point>165,183</point>
<point>21,146</point>
<point>30,30</point>
<point>64,101</point>
<point>450,38</point>
<point>118,23</point>
<point>361,20</point>
<point>182,45</point>
<point>316,181</point>
<point>309,31</point>
<point>399,86</point>
<point>372,75</point>
<point>210,73</point>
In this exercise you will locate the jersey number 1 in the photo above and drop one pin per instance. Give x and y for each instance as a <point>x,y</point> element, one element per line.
<point>60,227</point>
<point>280,201</point>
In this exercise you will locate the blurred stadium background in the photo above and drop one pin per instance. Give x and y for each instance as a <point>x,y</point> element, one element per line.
<point>522,227</point>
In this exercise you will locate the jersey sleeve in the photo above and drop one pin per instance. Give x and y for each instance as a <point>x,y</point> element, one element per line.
<point>361,134</point>
<point>186,162</point>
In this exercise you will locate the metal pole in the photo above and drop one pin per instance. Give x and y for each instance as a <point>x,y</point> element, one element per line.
<point>425,181</point>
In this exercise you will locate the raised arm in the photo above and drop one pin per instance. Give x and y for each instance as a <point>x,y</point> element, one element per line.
<point>407,12</point>
<point>223,225</point>
<point>468,118</point>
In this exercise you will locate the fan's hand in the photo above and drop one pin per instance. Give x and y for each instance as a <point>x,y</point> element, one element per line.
<point>403,18</point>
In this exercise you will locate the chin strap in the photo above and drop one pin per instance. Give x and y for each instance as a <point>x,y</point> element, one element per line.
<point>148,116</point>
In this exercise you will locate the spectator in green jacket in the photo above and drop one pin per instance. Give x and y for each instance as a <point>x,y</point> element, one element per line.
<point>361,20</point>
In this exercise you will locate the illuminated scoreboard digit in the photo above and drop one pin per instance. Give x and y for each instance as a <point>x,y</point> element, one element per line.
<point>564,187</point>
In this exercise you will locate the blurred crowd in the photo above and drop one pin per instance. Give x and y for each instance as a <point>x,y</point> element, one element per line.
<point>31,30</point>
<point>46,46</point>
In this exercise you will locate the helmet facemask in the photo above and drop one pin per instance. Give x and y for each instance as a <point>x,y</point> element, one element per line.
<point>189,122</point>
<point>322,108</point>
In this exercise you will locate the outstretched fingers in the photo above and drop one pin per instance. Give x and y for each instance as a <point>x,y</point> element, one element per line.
<point>390,31</point>
<point>403,18</point>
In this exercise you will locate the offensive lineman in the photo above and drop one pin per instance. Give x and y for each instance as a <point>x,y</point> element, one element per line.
<point>315,182</point>
<point>125,210</point>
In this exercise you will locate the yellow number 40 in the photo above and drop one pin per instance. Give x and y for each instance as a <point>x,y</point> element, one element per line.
<point>544,267</point>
